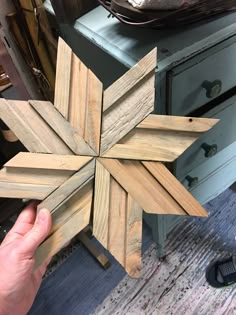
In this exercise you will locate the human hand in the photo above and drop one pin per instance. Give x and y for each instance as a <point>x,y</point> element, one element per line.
<point>19,282</point>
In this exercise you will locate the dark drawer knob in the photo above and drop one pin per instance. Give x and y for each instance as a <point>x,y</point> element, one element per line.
<point>192,181</point>
<point>210,150</point>
<point>213,89</point>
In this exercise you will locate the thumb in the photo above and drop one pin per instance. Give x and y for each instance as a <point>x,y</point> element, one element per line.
<point>37,234</point>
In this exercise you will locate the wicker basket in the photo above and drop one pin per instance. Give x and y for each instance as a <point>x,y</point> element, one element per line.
<point>204,9</point>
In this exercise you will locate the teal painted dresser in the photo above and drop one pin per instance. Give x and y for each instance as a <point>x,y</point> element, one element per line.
<point>196,76</point>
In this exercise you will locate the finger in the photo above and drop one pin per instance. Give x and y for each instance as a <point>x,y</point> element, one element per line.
<point>37,234</point>
<point>23,224</point>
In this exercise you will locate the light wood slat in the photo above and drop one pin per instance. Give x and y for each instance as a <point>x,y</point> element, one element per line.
<point>142,186</point>
<point>177,123</point>
<point>101,204</point>
<point>30,128</point>
<point>152,145</point>
<point>61,126</point>
<point>34,176</point>
<point>133,246</point>
<point>50,162</point>
<point>122,118</point>
<point>160,138</point>
<point>94,112</point>
<point>28,191</point>
<point>64,192</point>
<point>117,222</point>
<point>78,100</point>
<point>63,78</point>
<point>78,199</point>
<point>86,103</point>
<point>175,189</point>
<point>77,218</point>
<point>130,79</point>
<point>128,111</point>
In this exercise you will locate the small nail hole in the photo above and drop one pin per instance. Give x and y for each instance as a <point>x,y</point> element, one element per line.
<point>190,119</point>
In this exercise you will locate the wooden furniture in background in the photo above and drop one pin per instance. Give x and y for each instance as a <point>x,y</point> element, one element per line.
<point>67,167</point>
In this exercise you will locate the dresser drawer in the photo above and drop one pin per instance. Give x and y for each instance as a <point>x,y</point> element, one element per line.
<point>214,175</point>
<point>219,137</point>
<point>202,79</point>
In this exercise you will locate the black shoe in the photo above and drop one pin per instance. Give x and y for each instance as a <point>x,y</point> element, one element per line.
<point>222,273</point>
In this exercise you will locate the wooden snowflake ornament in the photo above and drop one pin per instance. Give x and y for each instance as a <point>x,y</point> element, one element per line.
<point>99,153</point>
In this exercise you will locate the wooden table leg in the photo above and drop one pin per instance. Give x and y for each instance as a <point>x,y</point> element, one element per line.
<point>94,250</point>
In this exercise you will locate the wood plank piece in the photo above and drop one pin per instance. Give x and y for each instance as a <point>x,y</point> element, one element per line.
<point>177,123</point>
<point>34,176</point>
<point>61,126</point>
<point>175,189</point>
<point>78,96</point>
<point>85,107</point>
<point>74,183</point>
<point>94,250</point>
<point>27,191</point>
<point>129,109</point>
<point>142,186</point>
<point>133,246</point>
<point>63,78</point>
<point>165,144</point>
<point>30,128</point>
<point>50,162</point>
<point>101,204</point>
<point>129,79</point>
<point>117,222</point>
<point>77,200</point>
<point>77,221</point>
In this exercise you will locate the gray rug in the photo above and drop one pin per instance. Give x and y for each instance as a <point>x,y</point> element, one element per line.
<point>174,286</point>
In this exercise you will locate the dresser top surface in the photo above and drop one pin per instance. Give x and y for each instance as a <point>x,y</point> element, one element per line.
<point>129,44</point>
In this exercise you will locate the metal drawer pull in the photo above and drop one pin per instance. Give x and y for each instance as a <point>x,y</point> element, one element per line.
<point>210,150</point>
<point>192,181</point>
<point>213,89</point>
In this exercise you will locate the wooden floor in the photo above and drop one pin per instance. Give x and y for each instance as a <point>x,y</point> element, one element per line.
<point>177,285</point>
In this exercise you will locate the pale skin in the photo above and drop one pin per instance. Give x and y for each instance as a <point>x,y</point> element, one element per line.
<point>19,282</point>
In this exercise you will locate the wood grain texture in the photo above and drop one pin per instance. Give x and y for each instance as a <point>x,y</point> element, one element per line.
<point>160,138</point>
<point>178,123</point>
<point>27,191</point>
<point>142,186</point>
<point>61,126</point>
<point>30,128</point>
<point>175,189</point>
<point>63,77</point>
<point>77,200</point>
<point>78,96</point>
<point>132,77</point>
<point>64,192</point>
<point>34,176</point>
<point>117,222</point>
<point>101,204</point>
<point>49,162</point>
<point>134,227</point>
<point>132,100</point>
<point>73,217</point>
<point>86,104</point>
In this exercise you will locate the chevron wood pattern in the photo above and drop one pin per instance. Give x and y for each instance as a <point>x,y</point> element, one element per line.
<point>117,221</point>
<point>78,95</point>
<point>169,137</point>
<point>96,157</point>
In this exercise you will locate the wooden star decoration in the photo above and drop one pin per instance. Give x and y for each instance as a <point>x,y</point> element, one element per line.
<point>99,154</point>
